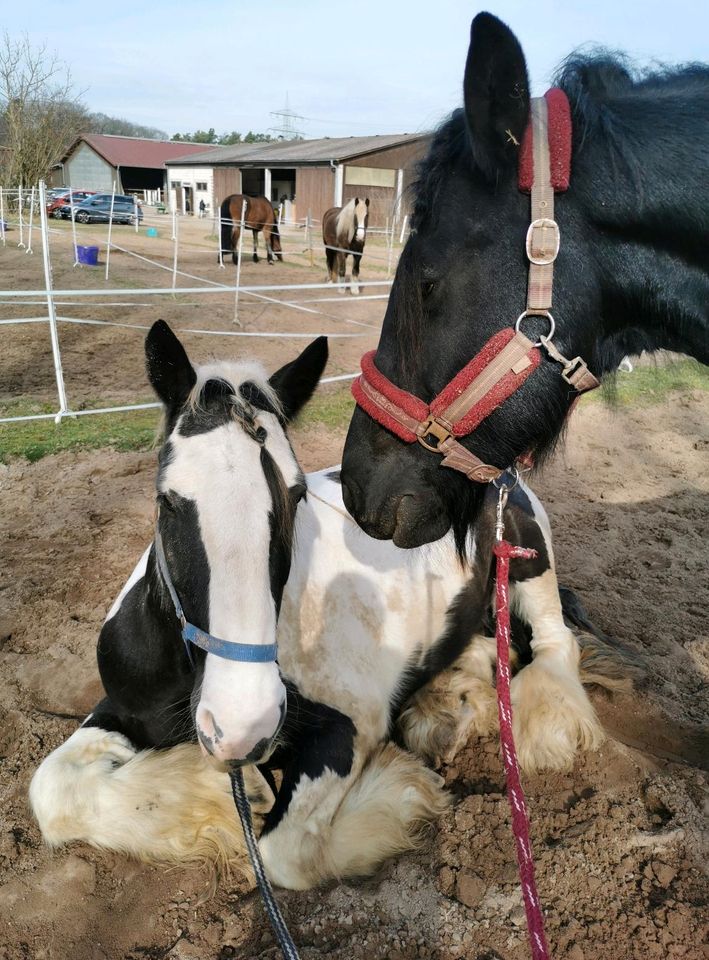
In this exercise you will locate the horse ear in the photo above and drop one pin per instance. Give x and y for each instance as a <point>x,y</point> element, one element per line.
<point>169,369</point>
<point>366,202</point>
<point>496,94</point>
<point>296,382</point>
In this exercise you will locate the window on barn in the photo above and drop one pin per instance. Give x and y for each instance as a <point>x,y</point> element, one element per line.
<point>200,185</point>
<point>369,177</point>
<point>174,184</point>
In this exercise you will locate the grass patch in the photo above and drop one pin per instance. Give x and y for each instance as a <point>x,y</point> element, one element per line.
<point>34,439</point>
<point>331,406</point>
<point>134,430</point>
<point>652,382</point>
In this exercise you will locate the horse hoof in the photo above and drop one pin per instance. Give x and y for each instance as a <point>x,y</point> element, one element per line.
<point>354,291</point>
<point>255,259</point>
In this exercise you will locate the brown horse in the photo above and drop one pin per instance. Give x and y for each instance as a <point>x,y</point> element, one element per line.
<point>259,216</point>
<point>344,230</point>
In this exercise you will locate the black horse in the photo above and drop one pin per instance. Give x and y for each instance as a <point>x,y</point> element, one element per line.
<point>631,275</point>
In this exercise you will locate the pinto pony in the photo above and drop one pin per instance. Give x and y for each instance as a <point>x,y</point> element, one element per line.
<point>259,216</point>
<point>249,552</point>
<point>344,231</point>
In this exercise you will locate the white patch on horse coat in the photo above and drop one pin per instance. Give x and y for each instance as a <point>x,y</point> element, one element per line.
<point>361,211</point>
<point>137,574</point>
<point>388,602</point>
<point>345,223</point>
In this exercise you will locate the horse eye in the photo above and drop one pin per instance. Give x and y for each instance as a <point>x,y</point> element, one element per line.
<point>427,288</point>
<point>261,434</point>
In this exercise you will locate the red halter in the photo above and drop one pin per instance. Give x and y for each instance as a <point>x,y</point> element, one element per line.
<point>509,357</point>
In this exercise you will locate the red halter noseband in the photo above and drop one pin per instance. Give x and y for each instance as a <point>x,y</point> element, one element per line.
<point>509,357</point>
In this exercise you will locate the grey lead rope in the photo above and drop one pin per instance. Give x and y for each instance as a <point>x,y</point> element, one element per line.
<point>269,901</point>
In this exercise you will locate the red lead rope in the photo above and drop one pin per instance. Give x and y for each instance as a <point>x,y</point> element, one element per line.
<point>505,552</point>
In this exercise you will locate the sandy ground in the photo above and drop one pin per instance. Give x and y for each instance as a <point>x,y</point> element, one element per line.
<point>619,843</point>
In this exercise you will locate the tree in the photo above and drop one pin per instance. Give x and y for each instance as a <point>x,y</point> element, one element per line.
<point>224,139</point>
<point>40,114</point>
<point>117,126</point>
<point>199,136</point>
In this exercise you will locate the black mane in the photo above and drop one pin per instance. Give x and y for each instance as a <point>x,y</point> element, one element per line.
<point>597,83</point>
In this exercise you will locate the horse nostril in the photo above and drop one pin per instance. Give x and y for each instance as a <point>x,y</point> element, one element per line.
<point>206,741</point>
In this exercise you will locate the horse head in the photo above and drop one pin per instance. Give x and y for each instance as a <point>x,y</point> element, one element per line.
<point>361,218</point>
<point>228,487</point>
<point>629,275</point>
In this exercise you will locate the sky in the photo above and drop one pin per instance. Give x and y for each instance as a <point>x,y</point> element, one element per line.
<point>349,68</point>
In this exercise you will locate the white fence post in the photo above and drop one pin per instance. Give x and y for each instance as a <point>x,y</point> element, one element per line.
<point>73,226</point>
<point>29,232</point>
<point>390,245</point>
<point>238,266</point>
<point>218,223</point>
<point>403,229</point>
<point>56,354</point>
<point>2,217</point>
<point>21,242</point>
<point>174,222</point>
<point>174,256</point>
<point>110,226</point>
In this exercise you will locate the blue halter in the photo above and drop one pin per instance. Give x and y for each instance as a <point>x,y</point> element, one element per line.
<point>228,649</point>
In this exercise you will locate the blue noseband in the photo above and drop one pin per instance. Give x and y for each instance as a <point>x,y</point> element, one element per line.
<point>228,649</point>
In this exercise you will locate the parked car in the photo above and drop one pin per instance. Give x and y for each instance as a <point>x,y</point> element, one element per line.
<point>59,206</point>
<point>97,209</point>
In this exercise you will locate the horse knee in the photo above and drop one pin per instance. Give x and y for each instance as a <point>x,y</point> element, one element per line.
<point>63,788</point>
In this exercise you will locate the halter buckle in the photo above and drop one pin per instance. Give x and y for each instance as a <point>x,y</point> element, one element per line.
<point>432,427</point>
<point>543,241</point>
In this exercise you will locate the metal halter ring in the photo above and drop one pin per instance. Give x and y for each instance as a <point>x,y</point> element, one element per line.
<point>545,313</point>
<point>501,485</point>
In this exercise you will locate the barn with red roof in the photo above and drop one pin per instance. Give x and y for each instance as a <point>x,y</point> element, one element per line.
<point>97,161</point>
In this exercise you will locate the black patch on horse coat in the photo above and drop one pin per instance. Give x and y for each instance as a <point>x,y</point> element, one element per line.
<point>470,611</point>
<point>215,407</point>
<point>254,395</point>
<point>144,667</point>
<point>314,738</point>
<point>335,476</point>
<point>281,520</point>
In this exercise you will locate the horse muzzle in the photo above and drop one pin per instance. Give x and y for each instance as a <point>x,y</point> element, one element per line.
<point>239,744</point>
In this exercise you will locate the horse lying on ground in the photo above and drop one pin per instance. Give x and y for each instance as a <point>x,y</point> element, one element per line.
<point>345,229</point>
<point>259,216</point>
<point>253,550</point>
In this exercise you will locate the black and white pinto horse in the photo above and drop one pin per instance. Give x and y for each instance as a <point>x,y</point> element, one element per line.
<point>256,551</point>
<point>344,231</point>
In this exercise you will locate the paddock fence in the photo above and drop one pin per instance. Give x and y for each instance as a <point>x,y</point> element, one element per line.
<point>24,221</point>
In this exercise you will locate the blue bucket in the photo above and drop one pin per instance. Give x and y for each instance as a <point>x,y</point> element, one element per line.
<point>87,255</point>
<point>151,232</point>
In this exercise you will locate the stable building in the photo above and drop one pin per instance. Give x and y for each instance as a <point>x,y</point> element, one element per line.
<point>97,161</point>
<point>305,177</point>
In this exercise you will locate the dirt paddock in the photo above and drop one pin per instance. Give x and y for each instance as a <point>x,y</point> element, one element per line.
<point>620,840</point>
